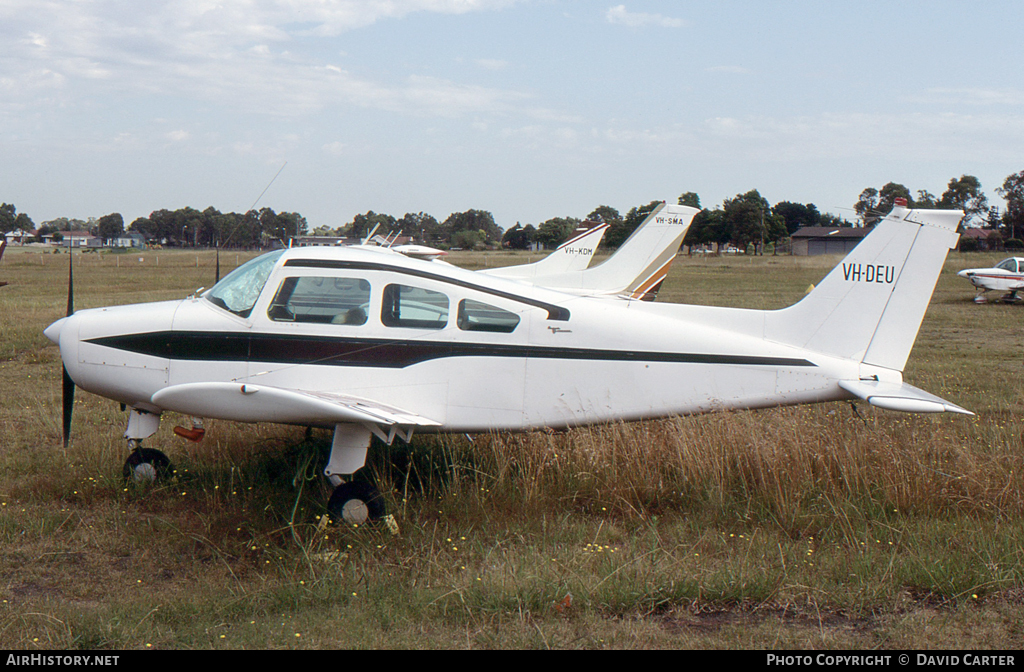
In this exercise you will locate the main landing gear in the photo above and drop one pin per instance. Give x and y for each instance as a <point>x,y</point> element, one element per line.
<point>356,503</point>
<point>145,466</point>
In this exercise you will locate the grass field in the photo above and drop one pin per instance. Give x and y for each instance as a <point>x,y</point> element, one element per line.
<point>808,527</point>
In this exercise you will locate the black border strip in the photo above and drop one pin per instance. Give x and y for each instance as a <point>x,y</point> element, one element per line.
<point>383,353</point>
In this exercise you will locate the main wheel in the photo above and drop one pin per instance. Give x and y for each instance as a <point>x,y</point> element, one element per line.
<point>145,466</point>
<point>356,504</point>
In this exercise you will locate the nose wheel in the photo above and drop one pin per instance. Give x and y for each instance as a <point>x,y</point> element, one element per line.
<point>146,466</point>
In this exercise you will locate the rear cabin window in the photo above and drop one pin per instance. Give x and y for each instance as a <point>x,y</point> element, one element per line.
<point>477,316</point>
<point>321,300</point>
<point>414,307</point>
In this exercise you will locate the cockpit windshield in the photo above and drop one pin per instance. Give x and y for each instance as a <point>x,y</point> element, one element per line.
<point>240,288</point>
<point>1008,265</point>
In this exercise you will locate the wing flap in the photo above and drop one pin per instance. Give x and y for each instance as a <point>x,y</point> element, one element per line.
<point>262,403</point>
<point>899,397</point>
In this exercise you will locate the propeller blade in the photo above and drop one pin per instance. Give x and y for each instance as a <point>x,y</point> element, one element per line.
<point>68,385</point>
<point>68,400</point>
<point>71,283</point>
<point>218,266</point>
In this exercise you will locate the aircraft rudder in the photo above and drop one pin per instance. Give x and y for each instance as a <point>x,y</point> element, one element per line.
<point>870,306</point>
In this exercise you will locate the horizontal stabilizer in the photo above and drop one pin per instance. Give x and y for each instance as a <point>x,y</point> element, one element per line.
<point>243,402</point>
<point>899,397</point>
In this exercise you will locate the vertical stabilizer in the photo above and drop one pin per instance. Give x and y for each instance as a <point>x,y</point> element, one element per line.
<point>637,268</point>
<point>572,255</point>
<point>870,307</point>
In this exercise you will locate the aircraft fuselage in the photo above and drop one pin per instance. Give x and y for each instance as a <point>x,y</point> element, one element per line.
<point>472,353</point>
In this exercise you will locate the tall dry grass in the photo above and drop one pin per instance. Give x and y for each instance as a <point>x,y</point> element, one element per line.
<point>797,467</point>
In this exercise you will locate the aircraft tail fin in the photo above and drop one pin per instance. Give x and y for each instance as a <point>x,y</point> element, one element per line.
<point>641,263</point>
<point>637,268</point>
<point>572,255</point>
<point>870,307</point>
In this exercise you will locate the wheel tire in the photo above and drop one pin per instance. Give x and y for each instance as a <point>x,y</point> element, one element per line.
<point>356,504</point>
<point>146,466</point>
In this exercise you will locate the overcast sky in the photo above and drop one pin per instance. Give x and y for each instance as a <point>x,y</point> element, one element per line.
<point>528,108</point>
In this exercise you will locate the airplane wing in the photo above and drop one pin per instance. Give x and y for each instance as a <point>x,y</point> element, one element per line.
<point>244,402</point>
<point>899,397</point>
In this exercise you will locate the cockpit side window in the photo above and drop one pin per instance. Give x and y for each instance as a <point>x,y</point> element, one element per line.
<point>414,307</point>
<point>478,316</point>
<point>323,300</point>
<point>240,288</point>
<point>1008,265</point>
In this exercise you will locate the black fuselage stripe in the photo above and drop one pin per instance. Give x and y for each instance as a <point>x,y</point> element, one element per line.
<point>384,353</point>
<point>554,312</point>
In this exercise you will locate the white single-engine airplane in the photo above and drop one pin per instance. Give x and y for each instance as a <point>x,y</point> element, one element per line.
<point>372,343</point>
<point>1007,276</point>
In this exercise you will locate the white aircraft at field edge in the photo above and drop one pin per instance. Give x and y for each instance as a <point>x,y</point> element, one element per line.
<point>368,343</point>
<point>1006,276</point>
<point>636,269</point>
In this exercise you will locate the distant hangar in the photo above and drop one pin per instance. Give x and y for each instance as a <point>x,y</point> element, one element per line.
<point>815,240</point>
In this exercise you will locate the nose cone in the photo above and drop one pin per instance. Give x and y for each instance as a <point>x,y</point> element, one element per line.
<point>966,273</point>
<point>52,332</point>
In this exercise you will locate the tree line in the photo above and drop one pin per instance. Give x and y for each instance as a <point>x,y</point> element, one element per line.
<point>744,220</point>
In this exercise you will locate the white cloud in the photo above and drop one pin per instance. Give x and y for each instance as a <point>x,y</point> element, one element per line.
<point>491,64</point>
<point>245,55</point>
<point>620,15</point>
<point>334,148</point>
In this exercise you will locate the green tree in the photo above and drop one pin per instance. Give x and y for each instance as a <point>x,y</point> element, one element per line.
<point>479,221</point>
<point>888,194</point>
<point>866,207</point>
<point>519,237</point>
<point>606,214</point>
<point>708,227</point>
<point>689,198</point>
<point>553,231</point>
<point>796,216</point>
<point>362,225</point>
<point>926,200</point>
<point>421,226</point>
<point>111,226</point>
<point>828,219</point>
<point>1012,192</point>
<point>964,193</point>
<point>8,217</point>
<point>750,219</point>
<point>23,222</point>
